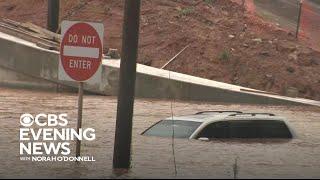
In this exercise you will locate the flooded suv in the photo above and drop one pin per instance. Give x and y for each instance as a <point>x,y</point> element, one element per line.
<point>222,124</point>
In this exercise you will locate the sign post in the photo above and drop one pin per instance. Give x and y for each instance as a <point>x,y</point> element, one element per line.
<point>79,123</point>
<point>80,57</point>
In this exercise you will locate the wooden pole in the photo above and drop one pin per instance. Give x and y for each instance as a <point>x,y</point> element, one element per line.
<point>53,15</point>
<point>123,134</point>
<point>299,19</point>
<point>79,122</point>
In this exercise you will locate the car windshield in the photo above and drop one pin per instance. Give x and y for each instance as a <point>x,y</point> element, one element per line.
<point>164,128</point>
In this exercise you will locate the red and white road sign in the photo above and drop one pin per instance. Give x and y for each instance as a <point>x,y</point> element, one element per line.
<point>80,50</point>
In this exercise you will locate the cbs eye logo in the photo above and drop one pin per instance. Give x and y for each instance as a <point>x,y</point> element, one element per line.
<point>26,120</point>
<point>41,120</point>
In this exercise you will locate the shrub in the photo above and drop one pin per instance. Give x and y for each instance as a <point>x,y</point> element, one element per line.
<point>209,2</point>
<point>186,11</point>
<point>224,55</point>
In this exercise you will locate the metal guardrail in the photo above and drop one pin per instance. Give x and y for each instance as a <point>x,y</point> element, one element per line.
<point>29,32</point>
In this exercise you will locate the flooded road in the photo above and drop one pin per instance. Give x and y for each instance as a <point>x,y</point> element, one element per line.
<point>152,156</point>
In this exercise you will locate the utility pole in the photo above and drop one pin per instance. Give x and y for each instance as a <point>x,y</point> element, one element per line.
<point>123,134</point>
<point>53,15</point>
<point>299,18</point>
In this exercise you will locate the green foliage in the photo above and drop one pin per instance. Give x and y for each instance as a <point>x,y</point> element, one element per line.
<point>224,55</point>
<point>186,11</point>
<point>209,2</point>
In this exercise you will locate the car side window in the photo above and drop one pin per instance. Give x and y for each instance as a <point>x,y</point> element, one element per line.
<point>215,130</point>
<point>246,129</point>
<point>259,129</point>
<point>274,129</point>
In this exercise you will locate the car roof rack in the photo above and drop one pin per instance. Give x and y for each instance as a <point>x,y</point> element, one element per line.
<point>201,112</point>
<point>253,114</point>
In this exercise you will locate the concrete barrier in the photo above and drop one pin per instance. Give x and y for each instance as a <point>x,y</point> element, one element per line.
<point>24,65</point>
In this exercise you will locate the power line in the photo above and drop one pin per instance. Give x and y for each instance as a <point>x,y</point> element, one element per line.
<point>173,132</point>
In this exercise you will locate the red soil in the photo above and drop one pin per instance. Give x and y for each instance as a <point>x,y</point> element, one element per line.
<point>227,43</point>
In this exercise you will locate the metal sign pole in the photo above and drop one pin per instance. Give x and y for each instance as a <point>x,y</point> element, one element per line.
<point>79,122</point>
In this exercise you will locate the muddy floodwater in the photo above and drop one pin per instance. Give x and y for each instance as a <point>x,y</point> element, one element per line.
<point>152,156</point>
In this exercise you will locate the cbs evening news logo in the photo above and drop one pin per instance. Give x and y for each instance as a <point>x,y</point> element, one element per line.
<point>45,137</point>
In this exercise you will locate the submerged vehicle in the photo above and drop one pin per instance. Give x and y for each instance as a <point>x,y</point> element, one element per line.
<point>224,125</point>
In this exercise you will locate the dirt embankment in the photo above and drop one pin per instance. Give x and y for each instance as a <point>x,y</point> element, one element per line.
<point>226,43</point>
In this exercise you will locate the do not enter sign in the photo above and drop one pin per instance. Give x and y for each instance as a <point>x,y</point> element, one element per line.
<point>80,50</point>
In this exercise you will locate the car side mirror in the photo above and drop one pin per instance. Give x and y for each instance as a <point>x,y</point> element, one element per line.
<point>203,139</point>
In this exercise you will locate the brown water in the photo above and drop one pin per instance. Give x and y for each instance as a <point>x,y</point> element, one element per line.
<point>152,156</point>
